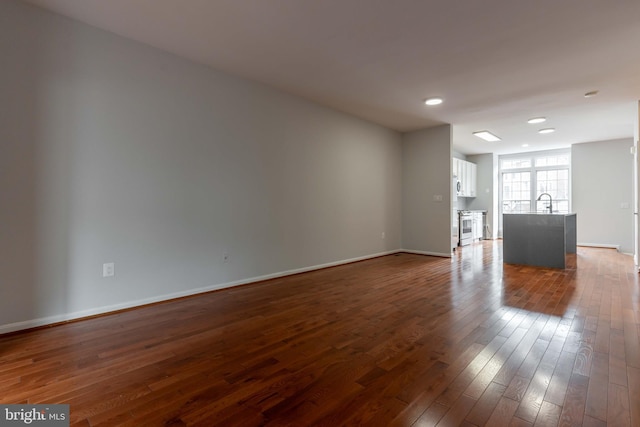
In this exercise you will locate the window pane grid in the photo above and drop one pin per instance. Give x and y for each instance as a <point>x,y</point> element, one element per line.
<point>515,163</point>
<point>526,177</point>
<point>516,192</point>
<point>554,182</point>
<point>556,160</point>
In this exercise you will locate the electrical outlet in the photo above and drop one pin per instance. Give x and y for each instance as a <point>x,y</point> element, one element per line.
<point>108,269</point>
<point>437,197</point>
<point>383,235</point>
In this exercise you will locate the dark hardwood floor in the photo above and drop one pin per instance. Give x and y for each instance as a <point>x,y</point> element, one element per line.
<point>402,340</point>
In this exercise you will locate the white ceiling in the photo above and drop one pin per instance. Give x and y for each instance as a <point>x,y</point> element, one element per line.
<point>495,62</point>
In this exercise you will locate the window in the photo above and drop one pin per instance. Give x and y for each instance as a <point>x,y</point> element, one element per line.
<point>515,163</point>
<point>554,182</point>
<point>516,192</point>
<point>526,176</point>
<point>555,160</point>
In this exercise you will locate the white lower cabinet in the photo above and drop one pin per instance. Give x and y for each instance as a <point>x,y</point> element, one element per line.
<point>477,225</point>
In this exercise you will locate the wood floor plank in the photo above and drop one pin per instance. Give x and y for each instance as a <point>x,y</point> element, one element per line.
<point>548,416</point>
<point>617,358</point>
<point>432,416</point>
<point>485,406</point>
<point>618,413</point>
<point>592,422</point>
<point>512,365</point>
<point>597,393</point>
<point>603,332</point>
<point>517,388</point>
<point>584,354</point>
<point>633,374</point>
<point>399,340</point>
<point>462,381</point>
<point>503,413</point>
<point>458,412</point>
<point>574,404</point>
<point>493,366</point>
<point>557,388</point>
<point>631,344</point>
<point>532,400</point>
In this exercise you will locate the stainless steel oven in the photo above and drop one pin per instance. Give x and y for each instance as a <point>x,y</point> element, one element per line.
<point>466,227</point>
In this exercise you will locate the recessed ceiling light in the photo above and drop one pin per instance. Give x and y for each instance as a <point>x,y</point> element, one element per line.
<point>433,101</point>
<point>547,130</point>
<point>537,120</point>
<point>487,136</point>
<point>591,94</point>
<point>525,145</point>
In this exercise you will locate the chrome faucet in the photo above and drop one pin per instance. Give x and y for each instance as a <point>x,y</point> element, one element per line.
<point>550,201</point>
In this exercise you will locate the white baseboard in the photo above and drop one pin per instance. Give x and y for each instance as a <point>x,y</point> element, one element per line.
<point>49,320</point>
<point>438,254</point>
<point>600,245</point>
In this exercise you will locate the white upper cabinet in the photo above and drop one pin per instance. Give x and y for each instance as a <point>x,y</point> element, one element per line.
<point>466,174</point>
<point>472,178</point>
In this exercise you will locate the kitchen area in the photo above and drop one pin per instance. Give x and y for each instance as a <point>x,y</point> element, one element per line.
<point>545,198</point>
<point>542,234</point>
<point>469,223</point>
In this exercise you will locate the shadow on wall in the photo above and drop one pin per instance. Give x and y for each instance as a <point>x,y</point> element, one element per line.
<point>35,170</point>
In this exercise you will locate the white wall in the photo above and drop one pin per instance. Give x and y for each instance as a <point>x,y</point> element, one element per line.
<point>112,151</point>
<point>602,193</point>
<point>487,188</point>
<point>426,223</point>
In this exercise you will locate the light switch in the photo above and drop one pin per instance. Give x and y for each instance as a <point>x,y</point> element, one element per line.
<point>108,269</point>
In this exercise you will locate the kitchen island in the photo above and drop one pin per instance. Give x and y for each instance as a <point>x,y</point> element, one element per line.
<point>539,239</point>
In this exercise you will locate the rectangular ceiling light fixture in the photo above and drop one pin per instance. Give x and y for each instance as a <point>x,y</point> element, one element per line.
<point>487,136</point>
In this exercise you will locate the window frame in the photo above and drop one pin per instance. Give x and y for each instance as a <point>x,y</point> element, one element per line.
<point>533,170</point>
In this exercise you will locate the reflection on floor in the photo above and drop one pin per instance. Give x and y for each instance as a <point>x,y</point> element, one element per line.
<point>400,340</point>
